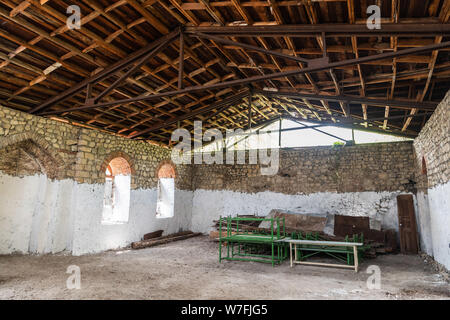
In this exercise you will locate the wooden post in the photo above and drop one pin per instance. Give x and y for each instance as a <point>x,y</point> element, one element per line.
<point>88,92</point>
<point>355,257</point>
<point>181,62</point>
<point>279,134</point>
<point>250,109</point>
<point>295,252</point>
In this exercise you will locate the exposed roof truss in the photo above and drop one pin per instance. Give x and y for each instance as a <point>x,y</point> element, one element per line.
<point>143,68</point>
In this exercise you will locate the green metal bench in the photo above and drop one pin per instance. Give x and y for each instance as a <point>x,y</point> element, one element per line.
<point>253,245</point>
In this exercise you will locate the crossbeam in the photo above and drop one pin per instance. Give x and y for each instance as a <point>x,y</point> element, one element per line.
<point>320,131</point>
<point>105,73</point>
<point>314,68</point>
<point>430,106</point>
<point>330,30</point>
<point>218,105</point>
<point>129,72</point>
<point>250,47</point>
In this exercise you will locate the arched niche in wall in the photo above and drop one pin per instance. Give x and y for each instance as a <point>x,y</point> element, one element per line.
<point>28,154</point>
<point>29,201</point>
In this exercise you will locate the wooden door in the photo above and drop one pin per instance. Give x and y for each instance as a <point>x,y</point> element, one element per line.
<point>407,224</point>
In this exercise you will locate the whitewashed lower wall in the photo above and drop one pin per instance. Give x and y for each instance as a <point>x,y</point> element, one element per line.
<point>90,235</point>
<point>424,223</point>
<point>34,214</point>
<point>209,205</point>
<point>439,204</point>
<point>38,215</point>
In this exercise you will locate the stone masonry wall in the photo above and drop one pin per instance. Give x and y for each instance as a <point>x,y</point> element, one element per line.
<point>353,179</point>
<point>433,145</point>
<point>52,187</point>
<point>371,167</point>
<point>78,153</point>
<point>432,163</point>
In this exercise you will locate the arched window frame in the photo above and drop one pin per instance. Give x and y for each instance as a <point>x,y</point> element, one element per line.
<point>116,202</point>
<point>166,174</point>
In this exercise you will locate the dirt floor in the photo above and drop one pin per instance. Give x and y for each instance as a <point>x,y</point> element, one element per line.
<point>189,269</point>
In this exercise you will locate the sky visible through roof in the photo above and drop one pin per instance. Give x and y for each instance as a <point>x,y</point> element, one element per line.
<point>299,138</point>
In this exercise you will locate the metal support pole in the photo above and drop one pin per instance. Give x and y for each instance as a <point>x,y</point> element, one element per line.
<point>318,130</point>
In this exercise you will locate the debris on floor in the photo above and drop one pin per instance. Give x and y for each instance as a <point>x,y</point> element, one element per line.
<point>244,225</point>
<point>380,241</point>
<point>151,242</point>
<point>436,266</point>
<point>152,235</point>
<point>296,222</point>
<point>178,271</point>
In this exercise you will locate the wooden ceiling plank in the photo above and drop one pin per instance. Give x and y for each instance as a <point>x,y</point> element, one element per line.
<point>151,19</point>
<point>96,42</point>
<point>213,12</point>
<point>314,20</point>
<point>395,9</point>
<point>444,17</point>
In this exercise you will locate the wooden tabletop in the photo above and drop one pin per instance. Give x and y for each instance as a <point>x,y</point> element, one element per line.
<point>324,243</point>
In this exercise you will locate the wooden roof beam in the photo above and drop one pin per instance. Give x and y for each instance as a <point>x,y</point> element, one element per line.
<point>332,30</point>
<point>271,76</point>
<point>395,9</point>
<point>444,18</point>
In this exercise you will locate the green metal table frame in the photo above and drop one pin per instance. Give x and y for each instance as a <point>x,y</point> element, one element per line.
<point>247,245</point>
<point>273,246</point>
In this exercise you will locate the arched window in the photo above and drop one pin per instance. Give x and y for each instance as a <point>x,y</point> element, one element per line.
<point>116,202</point>
<point>166,191</point>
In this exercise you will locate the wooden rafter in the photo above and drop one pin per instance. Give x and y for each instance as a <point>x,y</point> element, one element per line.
<point>284,49</point>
